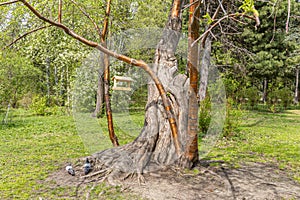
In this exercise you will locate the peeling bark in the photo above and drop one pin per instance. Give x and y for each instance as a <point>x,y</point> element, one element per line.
<point>193,61</point>
<point>108,110</point>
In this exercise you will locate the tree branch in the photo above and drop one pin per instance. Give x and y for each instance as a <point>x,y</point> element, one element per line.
<point>138,63</point>
<point>25,34</point>
<point>9,2</point>
<point>105,24</point>
<point>59,11</point>
<point>219,21</point>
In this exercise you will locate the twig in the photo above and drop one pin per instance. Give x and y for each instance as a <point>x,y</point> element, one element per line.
<point>25,34</point>
<point>189,5</point>
<point>221,5</point>
<point>94,174</point>
<point>219,21</point>
<point>8,2</point>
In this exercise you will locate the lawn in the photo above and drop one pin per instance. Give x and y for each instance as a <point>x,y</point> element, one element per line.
<point>33,147</point>
<point>265,137</point>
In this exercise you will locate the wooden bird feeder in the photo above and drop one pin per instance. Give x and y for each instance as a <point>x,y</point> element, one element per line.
<point>122,83</point>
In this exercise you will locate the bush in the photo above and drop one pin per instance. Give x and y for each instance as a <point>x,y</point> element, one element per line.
<point>204,116</point>
<point>39,105</point>
<point>279,97</point>
<point>233,119</point>
<point>252,96</point>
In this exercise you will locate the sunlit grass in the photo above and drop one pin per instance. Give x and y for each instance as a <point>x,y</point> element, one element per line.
<point>265,137</point>
<point>33,147</point>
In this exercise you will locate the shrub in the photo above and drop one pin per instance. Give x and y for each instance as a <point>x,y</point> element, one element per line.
<point>204,116</point>
<point>233,119</point>
<point>39,105</point>
<point>252,96</point>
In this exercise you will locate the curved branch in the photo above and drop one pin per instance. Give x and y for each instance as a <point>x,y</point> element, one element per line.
<point>138,63</point>
<point>9,2</point>
<point>25,34</point>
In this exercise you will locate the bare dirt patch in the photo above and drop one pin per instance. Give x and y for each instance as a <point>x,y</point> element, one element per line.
<point>249,181</point>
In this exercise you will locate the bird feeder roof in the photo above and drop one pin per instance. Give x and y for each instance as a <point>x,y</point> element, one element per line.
<point>122,78</point>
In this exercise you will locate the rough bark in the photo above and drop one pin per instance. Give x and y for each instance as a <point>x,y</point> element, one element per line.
<point>163,139</point>
<point>155,148</point>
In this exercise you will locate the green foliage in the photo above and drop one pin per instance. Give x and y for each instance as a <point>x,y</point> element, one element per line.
<point>279,97</point>
<point>17,77</point>
<point>268,138</point>
<point>39,105</point>
<point>233,119</point>
<point>204,116</point>
<point>252,96</point>
<point>208,18</point>
<point>248,7</point>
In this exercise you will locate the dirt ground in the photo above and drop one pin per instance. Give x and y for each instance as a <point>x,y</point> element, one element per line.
<point>253,181</point>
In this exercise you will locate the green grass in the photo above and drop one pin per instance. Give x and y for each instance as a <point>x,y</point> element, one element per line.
<point>265,137</point>
<point>33,147</point>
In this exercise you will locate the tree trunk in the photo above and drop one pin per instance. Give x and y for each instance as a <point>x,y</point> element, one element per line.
<point>155,147</point>
<point>296,100</point>
<point>193,61</point>
<point>48,79</point>
<point>265,86</point>
<point>205,54</point>
<point>100,96</point>
<point>109,116</point>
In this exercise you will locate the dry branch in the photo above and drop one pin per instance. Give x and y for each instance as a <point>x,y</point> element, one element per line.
<point>8,2</point>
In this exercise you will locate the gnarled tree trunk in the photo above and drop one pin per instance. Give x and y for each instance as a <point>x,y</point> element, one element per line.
<point>155,147</point>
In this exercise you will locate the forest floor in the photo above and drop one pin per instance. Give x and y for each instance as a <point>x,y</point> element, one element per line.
<point>260,161</point>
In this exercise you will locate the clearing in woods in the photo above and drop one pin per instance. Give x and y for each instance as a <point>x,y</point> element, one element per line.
<point>262,161</point>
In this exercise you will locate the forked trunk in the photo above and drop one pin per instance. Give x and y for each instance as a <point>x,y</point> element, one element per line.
<point>155,147</point>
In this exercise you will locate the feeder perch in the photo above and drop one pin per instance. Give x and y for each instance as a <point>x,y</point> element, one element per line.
<point>122,83</point>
